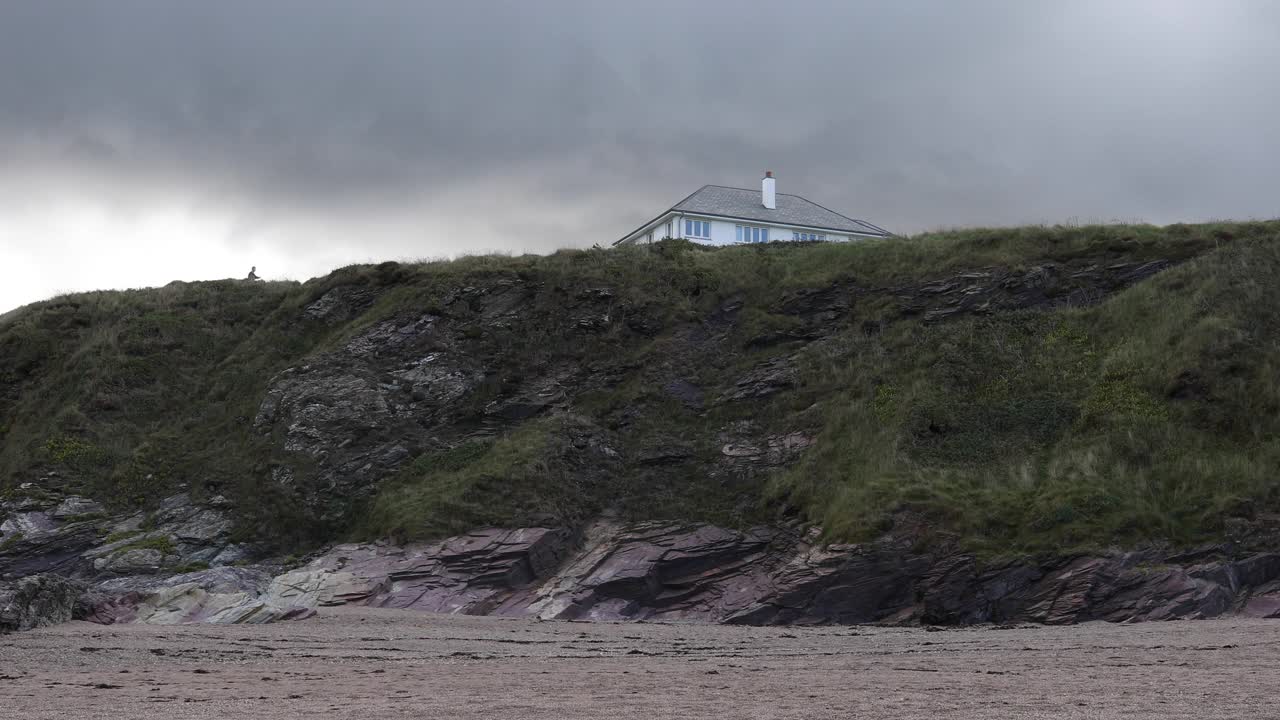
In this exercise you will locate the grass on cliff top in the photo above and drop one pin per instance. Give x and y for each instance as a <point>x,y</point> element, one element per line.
<point>673,271</point>
<point>1153,417</point>
<point>1149,416</point>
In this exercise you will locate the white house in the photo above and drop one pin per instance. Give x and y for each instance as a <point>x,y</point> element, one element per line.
<point>718,215</point>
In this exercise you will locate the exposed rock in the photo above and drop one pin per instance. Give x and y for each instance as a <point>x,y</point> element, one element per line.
<point>686,392</point>
<point>341,304</point>
<point>230,555</point>
<point>313,588</point>
<point>669,452</point>
<point>37,601</point>
<point>182,533</point>
<point>1258,570</point>
<point>767,378</point>
<point>772,451</point>
<point>131,562</point>
<point>820,311</point>
<point>654,571</point>
<point>220,595</point>
<point>837,584</point>
<point>56,551</point>
<point>27,524</point>
<point>765,576</point>
<point>470,574</point>
<point>536,396</point>
<point>346,411</point>
<point>1263,606</point>
<point>77,506</point>
<point>1048,285</point>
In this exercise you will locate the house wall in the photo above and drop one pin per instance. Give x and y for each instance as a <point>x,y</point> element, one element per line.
<point>723,232</point>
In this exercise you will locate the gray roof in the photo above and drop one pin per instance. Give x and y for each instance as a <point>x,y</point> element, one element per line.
<point>791,210</point>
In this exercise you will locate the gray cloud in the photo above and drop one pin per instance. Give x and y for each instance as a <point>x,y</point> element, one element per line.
<point>532,125</point>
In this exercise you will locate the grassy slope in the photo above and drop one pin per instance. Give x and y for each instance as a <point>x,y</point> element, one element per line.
<point>1150,416</point>
<point>1153,416</point>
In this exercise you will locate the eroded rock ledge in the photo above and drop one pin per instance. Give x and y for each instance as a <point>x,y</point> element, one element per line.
<point>181,565</point>
<point>702,573</point>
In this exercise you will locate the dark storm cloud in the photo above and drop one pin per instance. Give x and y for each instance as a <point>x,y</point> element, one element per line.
<point>567,122</point>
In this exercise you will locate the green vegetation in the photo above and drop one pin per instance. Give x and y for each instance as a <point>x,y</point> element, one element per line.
<point>116,537</point>
<point>11,541</point>
<point>1151,416</point>
<point>520,479</point>
<point>86,517</point>
<point>163,543</point>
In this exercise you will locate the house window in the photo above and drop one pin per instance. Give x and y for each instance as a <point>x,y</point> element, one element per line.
<point>697,229</point>
<point>807,236</point>
<point>748,234</point>
<point>668,230</point>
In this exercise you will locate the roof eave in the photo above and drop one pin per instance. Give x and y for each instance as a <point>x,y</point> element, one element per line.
<point>781,223</point>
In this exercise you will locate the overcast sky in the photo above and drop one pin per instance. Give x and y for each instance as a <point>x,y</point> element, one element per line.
<point>146,141</point>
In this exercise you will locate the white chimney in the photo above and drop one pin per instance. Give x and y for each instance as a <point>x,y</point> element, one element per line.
<point>767,195</point>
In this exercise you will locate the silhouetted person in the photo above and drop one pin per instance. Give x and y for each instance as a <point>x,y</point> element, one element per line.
<point>253,273</point>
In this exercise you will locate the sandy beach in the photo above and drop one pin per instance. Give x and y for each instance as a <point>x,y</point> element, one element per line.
<point>361,663</point>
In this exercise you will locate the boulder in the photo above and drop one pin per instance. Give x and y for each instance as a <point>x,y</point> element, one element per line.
<point>37,601</point>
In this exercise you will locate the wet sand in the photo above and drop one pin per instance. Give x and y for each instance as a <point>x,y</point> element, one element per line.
<point>360,663</point>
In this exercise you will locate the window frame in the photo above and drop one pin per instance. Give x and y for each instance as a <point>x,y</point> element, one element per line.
<point>746,234</point>
<point>691,227</point>
<point>798,236</point>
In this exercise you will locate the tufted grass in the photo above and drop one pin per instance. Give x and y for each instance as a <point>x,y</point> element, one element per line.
<point>1149,417</point>
<point>521,479</point>
<point>1153,417</point>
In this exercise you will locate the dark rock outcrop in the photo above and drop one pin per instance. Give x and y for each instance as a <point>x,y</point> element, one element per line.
<point>472,574</point>
<point>774,576</point>
<point>1044,286</point>
<point>653,571</point>
<point>219,595</point>
<point>446,368</point>
<point>51,549</point>
<point>37,601</point>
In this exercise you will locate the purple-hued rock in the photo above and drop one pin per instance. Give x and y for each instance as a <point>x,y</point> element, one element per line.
<point>1263,606</point>
<point>469,574</point>
<point>652,571</point>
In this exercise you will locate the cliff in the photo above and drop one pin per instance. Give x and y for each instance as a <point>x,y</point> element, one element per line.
<point>956,420</point>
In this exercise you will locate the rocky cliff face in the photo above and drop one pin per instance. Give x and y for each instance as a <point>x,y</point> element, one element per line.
<point>776,576</point>
<point>617,445</point>
<point>650,571</point>
<point>350,417</point>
